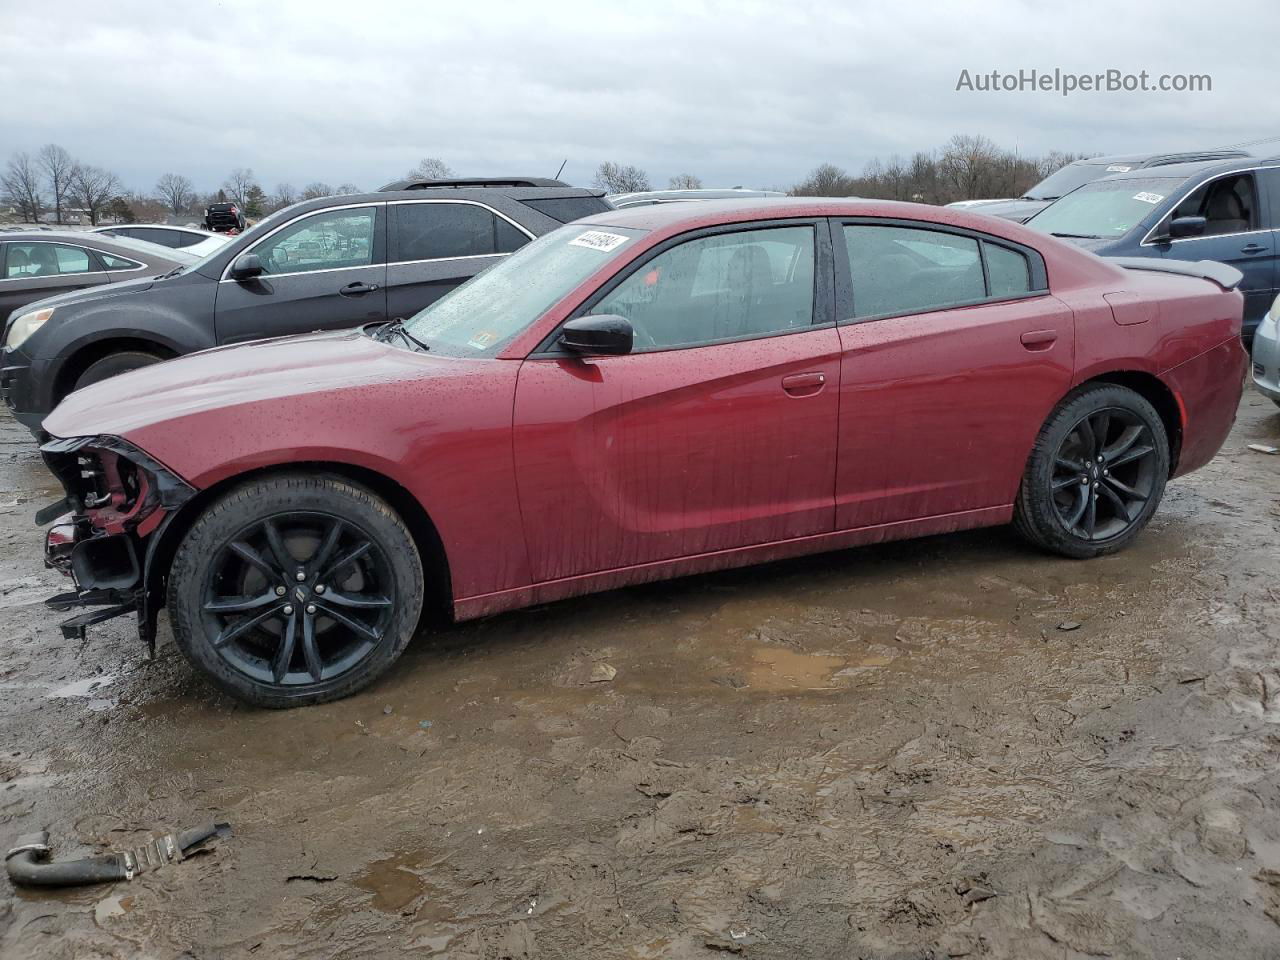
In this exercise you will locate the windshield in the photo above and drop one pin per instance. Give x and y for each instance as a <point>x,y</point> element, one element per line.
<point>483,314</point>
<point>1066,179</point>
<point>1104,208</point>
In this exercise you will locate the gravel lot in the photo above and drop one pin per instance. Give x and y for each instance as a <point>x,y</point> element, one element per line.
<point>942,748</point>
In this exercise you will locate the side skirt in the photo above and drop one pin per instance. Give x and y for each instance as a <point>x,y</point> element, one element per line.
<point>469,608</point>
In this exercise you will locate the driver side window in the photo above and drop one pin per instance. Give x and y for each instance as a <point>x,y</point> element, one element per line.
<point>1228,205</point>
<point>727,286</point>
<point>323,241</point>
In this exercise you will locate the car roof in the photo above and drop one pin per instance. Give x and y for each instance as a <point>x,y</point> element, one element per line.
<point>1185,171</point>
<point>1165,158</point>
<point>478,194</point>
<point>699,193</point>
<point>676,217</point>
<point>433,183</point>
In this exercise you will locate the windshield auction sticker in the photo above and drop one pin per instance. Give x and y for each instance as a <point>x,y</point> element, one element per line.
<point>599,240</point>
<point>1148,197</point>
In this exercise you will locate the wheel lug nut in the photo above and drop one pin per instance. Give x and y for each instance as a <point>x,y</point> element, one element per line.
<point>311,608</point>
<point>279,591</point>
<point>320,588</point>
<point>300,576</point>
<point>288,610</point>
<point>1085,481</point>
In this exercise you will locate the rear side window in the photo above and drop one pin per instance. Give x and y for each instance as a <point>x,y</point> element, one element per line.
<point>904,270</point>
<point>565,209</point>
<point>30,260</point>
<point>117,263</point>
<point>437,231</point>
<point>1008,272</point>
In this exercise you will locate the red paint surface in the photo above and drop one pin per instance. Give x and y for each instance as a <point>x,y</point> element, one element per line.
<point>552,477</point>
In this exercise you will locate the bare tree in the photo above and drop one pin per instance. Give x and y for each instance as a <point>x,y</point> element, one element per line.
<point>825,180</point>
<point>57,165</point>
<point>238,185</point>
<point>20,182</point>
<point>176,191</point>
<point>432,168</point>
<point>347,189</point>
<point>316,189</point>
<point>684,181</point>
<point>285,194</point>
<point>615,178</point>
<point>91,189</point>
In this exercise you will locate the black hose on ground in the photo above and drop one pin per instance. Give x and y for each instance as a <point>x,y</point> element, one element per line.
<point>28,863</point>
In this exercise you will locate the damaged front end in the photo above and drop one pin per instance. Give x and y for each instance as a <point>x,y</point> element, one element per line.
<point>117,500</point>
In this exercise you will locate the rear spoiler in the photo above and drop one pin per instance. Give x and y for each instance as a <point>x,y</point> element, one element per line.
<point>1228,278</point>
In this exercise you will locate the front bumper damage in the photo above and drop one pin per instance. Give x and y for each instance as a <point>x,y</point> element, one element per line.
<point>118,501</point>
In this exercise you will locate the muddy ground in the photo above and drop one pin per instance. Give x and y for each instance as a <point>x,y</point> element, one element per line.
<point>943,748</point>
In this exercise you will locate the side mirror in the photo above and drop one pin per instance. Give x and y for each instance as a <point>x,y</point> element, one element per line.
<point>1186,227</point>
<point>603,335</point>
<point>246,267</point>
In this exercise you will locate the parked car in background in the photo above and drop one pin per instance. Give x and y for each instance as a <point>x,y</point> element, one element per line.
<point>1077,174</point>
<point>1266,354</point>
<point>554,198</point>
<point>621,201</point>
<point>224,217</point>
<point>1226,210</point>
<point>645,394</point>
<point>199,243</point>
<point>321,264</point>
<point>39,264</point>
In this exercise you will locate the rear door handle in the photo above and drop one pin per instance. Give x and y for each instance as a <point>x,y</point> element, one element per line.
<point>1039,339</point>
<point>804,384</point>
<point>1253,248</point>
<point>358,289</point>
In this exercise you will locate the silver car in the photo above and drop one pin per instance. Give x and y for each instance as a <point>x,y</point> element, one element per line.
<point>1266,353</point>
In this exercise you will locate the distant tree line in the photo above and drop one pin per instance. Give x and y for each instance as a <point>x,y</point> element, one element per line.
<point>966,167</point>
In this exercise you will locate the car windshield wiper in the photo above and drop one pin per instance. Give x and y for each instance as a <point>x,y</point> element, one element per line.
<point>1076,236</point>
<point>397,328</point>
<point>172,273</point>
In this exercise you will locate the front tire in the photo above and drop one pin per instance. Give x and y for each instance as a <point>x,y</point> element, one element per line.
<point>114,364</point>
<point>1096,473</point>
<point>293,590</point>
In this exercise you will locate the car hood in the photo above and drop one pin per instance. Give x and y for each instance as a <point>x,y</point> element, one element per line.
<point>1018,211</point>
<point>91,294</point>
<point>225,377</point>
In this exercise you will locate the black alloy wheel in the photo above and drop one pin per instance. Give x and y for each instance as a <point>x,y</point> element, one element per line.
<point>294,589</point>
<point>298,598</point>
<point>1096,472</point>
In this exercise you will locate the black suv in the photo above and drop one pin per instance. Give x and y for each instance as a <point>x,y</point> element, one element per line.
<point>224,218</point>
<point>320,264</point>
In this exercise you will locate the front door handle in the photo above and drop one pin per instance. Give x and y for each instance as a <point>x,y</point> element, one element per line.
<point>1039,339</point>
<point>1253,248</point>
<point>804,384</point>
<point>358,289</point>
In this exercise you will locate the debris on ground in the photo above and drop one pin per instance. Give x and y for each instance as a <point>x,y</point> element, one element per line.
<point>602,673</point>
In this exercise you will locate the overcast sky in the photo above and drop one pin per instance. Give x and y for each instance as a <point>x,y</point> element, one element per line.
<point>736,93</point>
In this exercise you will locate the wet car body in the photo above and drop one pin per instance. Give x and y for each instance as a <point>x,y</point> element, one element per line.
<point>1229,212</point>
<point>529,472</point>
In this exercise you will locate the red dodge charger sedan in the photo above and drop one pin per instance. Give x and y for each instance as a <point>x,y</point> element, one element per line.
<point>642,394</point>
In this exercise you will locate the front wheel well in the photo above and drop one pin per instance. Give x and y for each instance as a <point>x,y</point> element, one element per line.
<point>435,564</point>
<point>1157,393</point>
<point>91,353</point>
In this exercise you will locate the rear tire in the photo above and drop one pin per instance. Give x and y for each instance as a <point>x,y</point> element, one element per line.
<point>114,364</point>
<point>1096,473</point>
<point>293,590</point>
